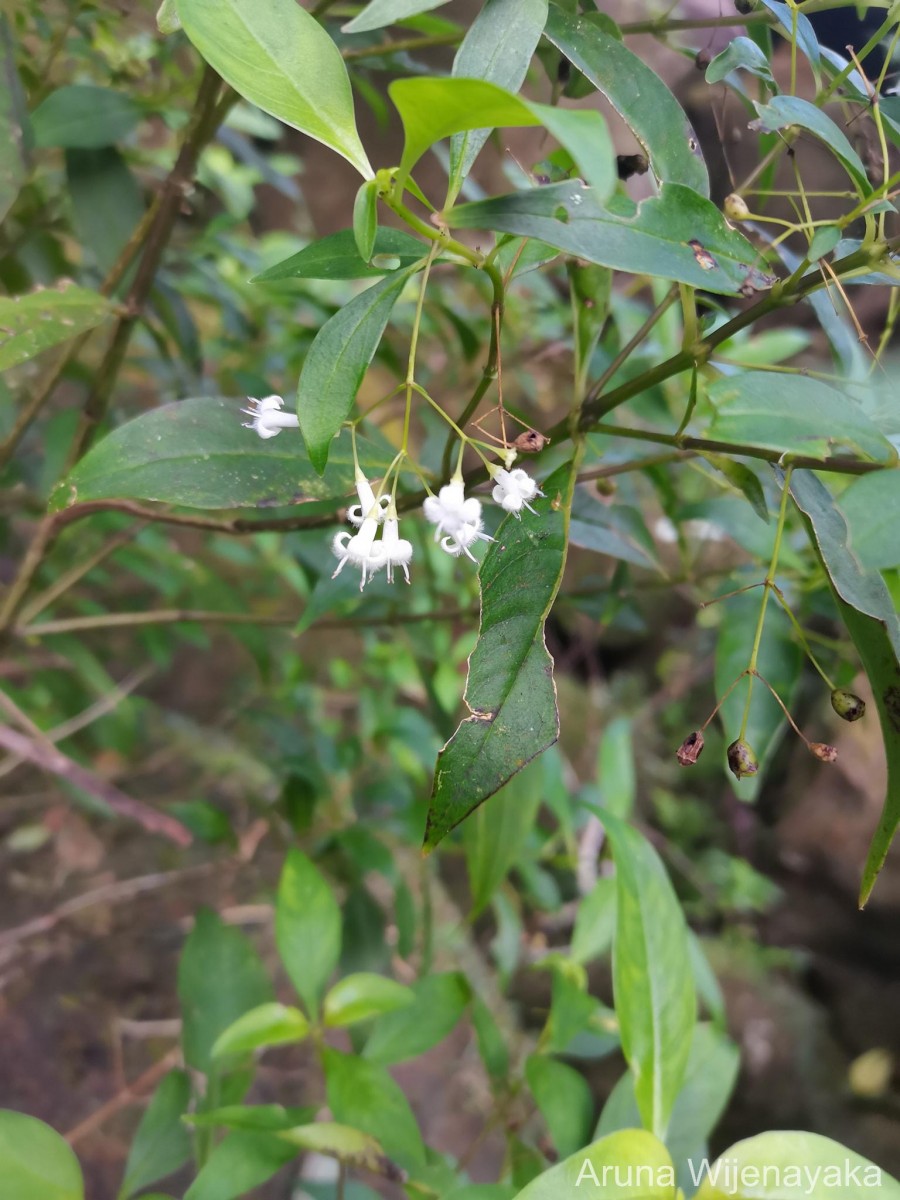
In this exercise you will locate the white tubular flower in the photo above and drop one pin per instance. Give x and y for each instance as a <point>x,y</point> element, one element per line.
<point>267,419</point>
<point>449,510</point>
<point>361,549</point>
<point>368,506</point>
<point>397,550</point>
<point>464,536</point>
<point>513,490</point>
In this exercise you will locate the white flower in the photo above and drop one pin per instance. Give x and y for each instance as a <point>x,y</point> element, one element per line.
<point>361,549</point>
<point>464,536</point>
<point>368,506</point>
<point>267,417</point>
<point>449,510</point>
<point>513,490</point>
<point>397,550</point>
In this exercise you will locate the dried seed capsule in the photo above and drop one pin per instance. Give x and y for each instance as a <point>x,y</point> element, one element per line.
<point>741,759</point>
<point>690,749</point>
<point>847,705</point>
<point>824,751</point>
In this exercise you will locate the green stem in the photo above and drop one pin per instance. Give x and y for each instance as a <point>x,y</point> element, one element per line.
<point>768,584</point>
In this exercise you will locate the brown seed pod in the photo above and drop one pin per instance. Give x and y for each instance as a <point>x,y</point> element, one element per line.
<point>690,749</point>
<point>824,751</point>
<point>530,442</point>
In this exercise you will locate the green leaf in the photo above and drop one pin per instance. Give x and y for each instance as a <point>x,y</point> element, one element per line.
<point>788,1165</point>
<point>83,116</point>
<point>823,241</point>
<point>379,13</point>
<point>740,476</point>
<point>337,361</point>
<point>870,506</point>
<point>616,530</point>
<point>255,1118</point>
<point>278,56</point>
<point>615,768</point>
<point>793,414</point>
<point>652,981</point>
<point>784,111</point>
<point>495,836</point>
<point>595,922</point>
<point>337,257</point>
<point>498,47</point>
<point>564,1100</point>
<point>240,1163</point>
<point>432,109</point>
<point>270,1024</point>
<point>865,606</point>
<point>35,1162</point>
<point>637,94</point>
<point>410,1031</point>
<point>13,123</point>
<point>740,54</point>
<point>780,662</point>
<point>675,235</point>
<point>307,928</point>
<point>167,18</point>
<point>572,1008</point>
<point>510,691</point>
<point>365,220</point>
<point>591,288</point>
<point>491,1046</point>
<point>196,453</point>
<point>162,1143</point>
<point>806,34</point>
<point>220,977</point>
<point>362,996</point>
<point>357,1150</point>
<point>363,1095</point>
<point>107,202</point>
<point>709,1080</point>
<point>629,1165</point>
<point>41,319</point>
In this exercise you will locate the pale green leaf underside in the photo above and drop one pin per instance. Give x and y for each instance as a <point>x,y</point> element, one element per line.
<point>277,56</point>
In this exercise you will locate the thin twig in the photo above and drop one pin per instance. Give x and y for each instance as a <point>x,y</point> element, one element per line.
<point>42,753</point>
<point>132,1094</point>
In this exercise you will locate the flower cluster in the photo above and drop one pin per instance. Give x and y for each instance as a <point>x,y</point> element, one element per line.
<point>365,549</point>
<point>457,520</point>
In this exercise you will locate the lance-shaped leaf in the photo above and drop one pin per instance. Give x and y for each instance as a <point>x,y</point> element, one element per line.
<point>337,362</point>
<point>13,118</point>
<point>41,319</point>
<point>197,453</point>
<point>637,94</point>
<point>336,256</point>
<point>652,980</point>
<point>794,414</point>
<point>675,235</point>
<point>498,47</point>
<point>270,1024</point>
<point>510,690</point>
<point>278,56</point>
<point>378,13</point>
<point>240,1163</point>
<point>83,116</point>
<point>162,1143</point>
<point>867,610</point>
<point>349,1146</point>
<point>784,111</point>
<point>432,109</point>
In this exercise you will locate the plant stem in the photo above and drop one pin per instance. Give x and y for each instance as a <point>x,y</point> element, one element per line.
<point>201,127</point>
<point>768,583</point>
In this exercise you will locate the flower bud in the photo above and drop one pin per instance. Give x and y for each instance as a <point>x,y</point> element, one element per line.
<point>702,59</point>
<point>824,751</point>
<point>741,759</point>
<point>847,705</point>
<point>735,207</point>
<point>690,749</point>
